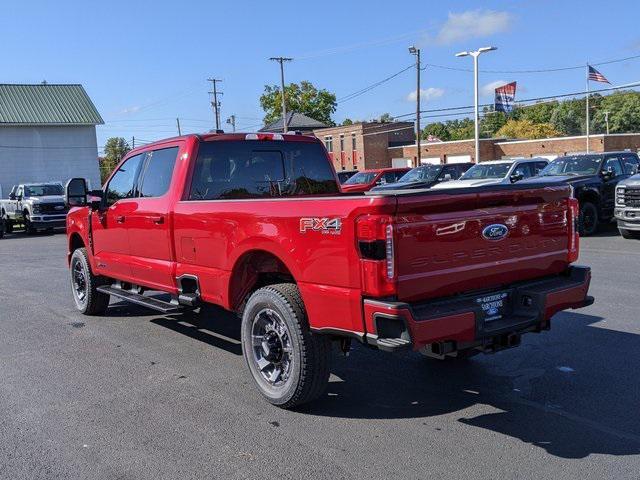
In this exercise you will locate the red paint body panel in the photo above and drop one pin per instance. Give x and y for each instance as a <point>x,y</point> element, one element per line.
<point>365,187</point>
<point>437,241</point>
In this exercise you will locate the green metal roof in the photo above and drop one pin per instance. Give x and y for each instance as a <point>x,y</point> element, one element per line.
<point>47,104</point>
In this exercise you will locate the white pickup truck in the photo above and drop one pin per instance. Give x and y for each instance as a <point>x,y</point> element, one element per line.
<point>36,206</point>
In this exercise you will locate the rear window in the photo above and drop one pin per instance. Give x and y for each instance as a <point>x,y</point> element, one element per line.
<point>246,169</point>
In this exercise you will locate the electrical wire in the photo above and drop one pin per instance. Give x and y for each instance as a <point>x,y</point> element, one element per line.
<point>368,88</point>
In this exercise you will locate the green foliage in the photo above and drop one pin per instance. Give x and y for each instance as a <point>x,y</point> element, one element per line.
<point>536,113</point>
<point>437,129</point>
<point>114,149</point>
<point>385,118</point>
<point>568,117</point>
<point>526,129</point>
<point>491,123</point>
<point>303,98</point>
<point>347,121</point>
<point>461,129</point>
<point>624,113</point>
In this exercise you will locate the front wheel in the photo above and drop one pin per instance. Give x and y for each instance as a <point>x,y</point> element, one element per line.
<point>588,220</point>
<point>288,362</point>
<point>84,285</point>
<point>28,226</point>
<point>629,234</point>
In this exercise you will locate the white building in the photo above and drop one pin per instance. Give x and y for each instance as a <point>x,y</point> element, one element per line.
<point>47,133</point>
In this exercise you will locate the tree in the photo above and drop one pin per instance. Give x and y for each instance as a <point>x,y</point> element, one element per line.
<point>526,129</point>
<point>302,98</point>
<point>114,149</point>
<point>385,118</point>
<point>492,122</point>
<point>437,129</point>
<point>624,113</point>
<point>536,113</point>
<point>461,129</point>
<point>347,121</point>
<point>568,117</point>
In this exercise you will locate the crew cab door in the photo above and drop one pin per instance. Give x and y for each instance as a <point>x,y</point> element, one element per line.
<point>149,222</point>
<point>110,224</point>
<point>614,165</point>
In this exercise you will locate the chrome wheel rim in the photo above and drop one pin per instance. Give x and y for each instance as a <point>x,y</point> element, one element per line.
<point>79,280</point>
<point>272,347</point>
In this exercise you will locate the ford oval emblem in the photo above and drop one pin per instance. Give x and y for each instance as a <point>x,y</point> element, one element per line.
<point>497,231</point>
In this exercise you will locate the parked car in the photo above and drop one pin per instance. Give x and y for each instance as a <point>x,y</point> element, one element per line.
<point>594,178</point>
<point>345,175</point>
<point>497,172</point>
<point>627,209</point>
<point>36,206</point>
<point>253,223</point>
<point>426,176</point>
<point>367,179</point>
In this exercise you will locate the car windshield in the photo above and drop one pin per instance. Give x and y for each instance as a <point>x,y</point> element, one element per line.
<point>578,165</point>
<point>420,174</point>
<point>487,170</point>
<point>42,190</point>
<point>361,178</point>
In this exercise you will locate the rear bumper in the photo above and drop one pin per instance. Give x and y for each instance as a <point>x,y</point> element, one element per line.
<point>460,322</point>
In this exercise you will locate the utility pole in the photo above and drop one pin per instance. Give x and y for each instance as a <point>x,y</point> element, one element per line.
<point>475,54</point>
<point>232,121</point>
<point>416,51</point>
<point>606,120</point>
<point>178,123</point>
<point>133,142</point>
<point>281,61</point>
<point>215,104</point>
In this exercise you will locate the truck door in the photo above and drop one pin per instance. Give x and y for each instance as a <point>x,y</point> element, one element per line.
<point>110,237</point>
<point>609,185</point>
<point>149,227</point>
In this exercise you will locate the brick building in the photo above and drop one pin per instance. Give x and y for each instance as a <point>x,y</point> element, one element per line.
<point>364,145</point>
<point>497,148</point>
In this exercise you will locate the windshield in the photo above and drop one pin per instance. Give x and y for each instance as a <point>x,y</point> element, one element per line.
<point>42,190</point>
<point>480,171</point>
<point>421,174</point>
<point>361,178</point>
<point>578,165</point>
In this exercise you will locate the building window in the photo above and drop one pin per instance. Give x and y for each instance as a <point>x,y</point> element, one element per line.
<point>353,141</point>
<point>328,143</point>
<point>342,142</point>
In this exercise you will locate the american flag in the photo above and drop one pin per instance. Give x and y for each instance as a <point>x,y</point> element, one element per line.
<point>596,76</point>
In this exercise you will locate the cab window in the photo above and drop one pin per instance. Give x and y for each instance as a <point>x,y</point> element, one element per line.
<point>630,164</point>
<point>158,172</point>
<point>123,182</point>
<point>612,164</point>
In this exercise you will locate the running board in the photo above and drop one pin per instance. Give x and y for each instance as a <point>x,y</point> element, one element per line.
<point>132,297</point>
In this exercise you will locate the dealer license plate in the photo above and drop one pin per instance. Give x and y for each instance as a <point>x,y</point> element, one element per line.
<point>493,306</point>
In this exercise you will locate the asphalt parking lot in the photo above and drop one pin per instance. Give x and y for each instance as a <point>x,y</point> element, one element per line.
<point>136,395</point>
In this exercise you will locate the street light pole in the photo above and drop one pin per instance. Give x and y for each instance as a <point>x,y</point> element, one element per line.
<point>475,54</point>
<point>416,51</point>
<point>281,61</point>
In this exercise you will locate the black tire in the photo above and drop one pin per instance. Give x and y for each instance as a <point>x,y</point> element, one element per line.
<point>629,234</point>
<point>1,228</point>
<point>588,220</point>
<point>8,226</point>
<point>304,360</point>
<point>84,285</point>
<point>27,225</point>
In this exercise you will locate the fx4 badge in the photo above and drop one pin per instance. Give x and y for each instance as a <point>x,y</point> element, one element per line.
<point>329,226</point>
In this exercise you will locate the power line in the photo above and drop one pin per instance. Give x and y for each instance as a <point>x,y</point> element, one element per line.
<point>540,70</point>
<point>366,89</point>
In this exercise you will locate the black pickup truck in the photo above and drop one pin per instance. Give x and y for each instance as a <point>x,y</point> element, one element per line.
<point>594,178</point>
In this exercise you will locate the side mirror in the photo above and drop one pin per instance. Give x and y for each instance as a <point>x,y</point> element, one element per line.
<point>516,177</point>
<point>608,174</point>
<point>75,192</point>
<point>12,196</point>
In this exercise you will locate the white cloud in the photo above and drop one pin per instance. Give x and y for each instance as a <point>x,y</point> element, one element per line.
<point>489,88</point>
<point>426,94</point>
<point>473,24</point>
<point>132,109</point>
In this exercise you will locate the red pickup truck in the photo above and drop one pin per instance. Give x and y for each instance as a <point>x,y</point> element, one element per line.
<point>255,223</point>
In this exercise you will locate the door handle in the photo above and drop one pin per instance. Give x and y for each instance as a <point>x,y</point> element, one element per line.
<point>120,219</point>
<point>158,220</point>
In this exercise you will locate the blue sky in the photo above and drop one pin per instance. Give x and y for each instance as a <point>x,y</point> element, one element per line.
<point>144,63</point>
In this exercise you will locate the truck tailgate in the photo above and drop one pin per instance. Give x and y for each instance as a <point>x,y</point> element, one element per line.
<point>444,246</point>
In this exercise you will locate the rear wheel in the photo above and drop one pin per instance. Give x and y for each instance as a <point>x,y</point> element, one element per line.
<point>629,234</point>
<point>588,220</point>
<point>84,285</point>
<point>288,362</point>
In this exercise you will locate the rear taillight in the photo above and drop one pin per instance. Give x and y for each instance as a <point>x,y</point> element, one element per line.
<point>574,238</point>
<point>375,242</point>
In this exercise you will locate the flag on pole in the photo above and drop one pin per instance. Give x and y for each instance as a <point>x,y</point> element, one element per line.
<point>596,76</point>
<point>505,96</point>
